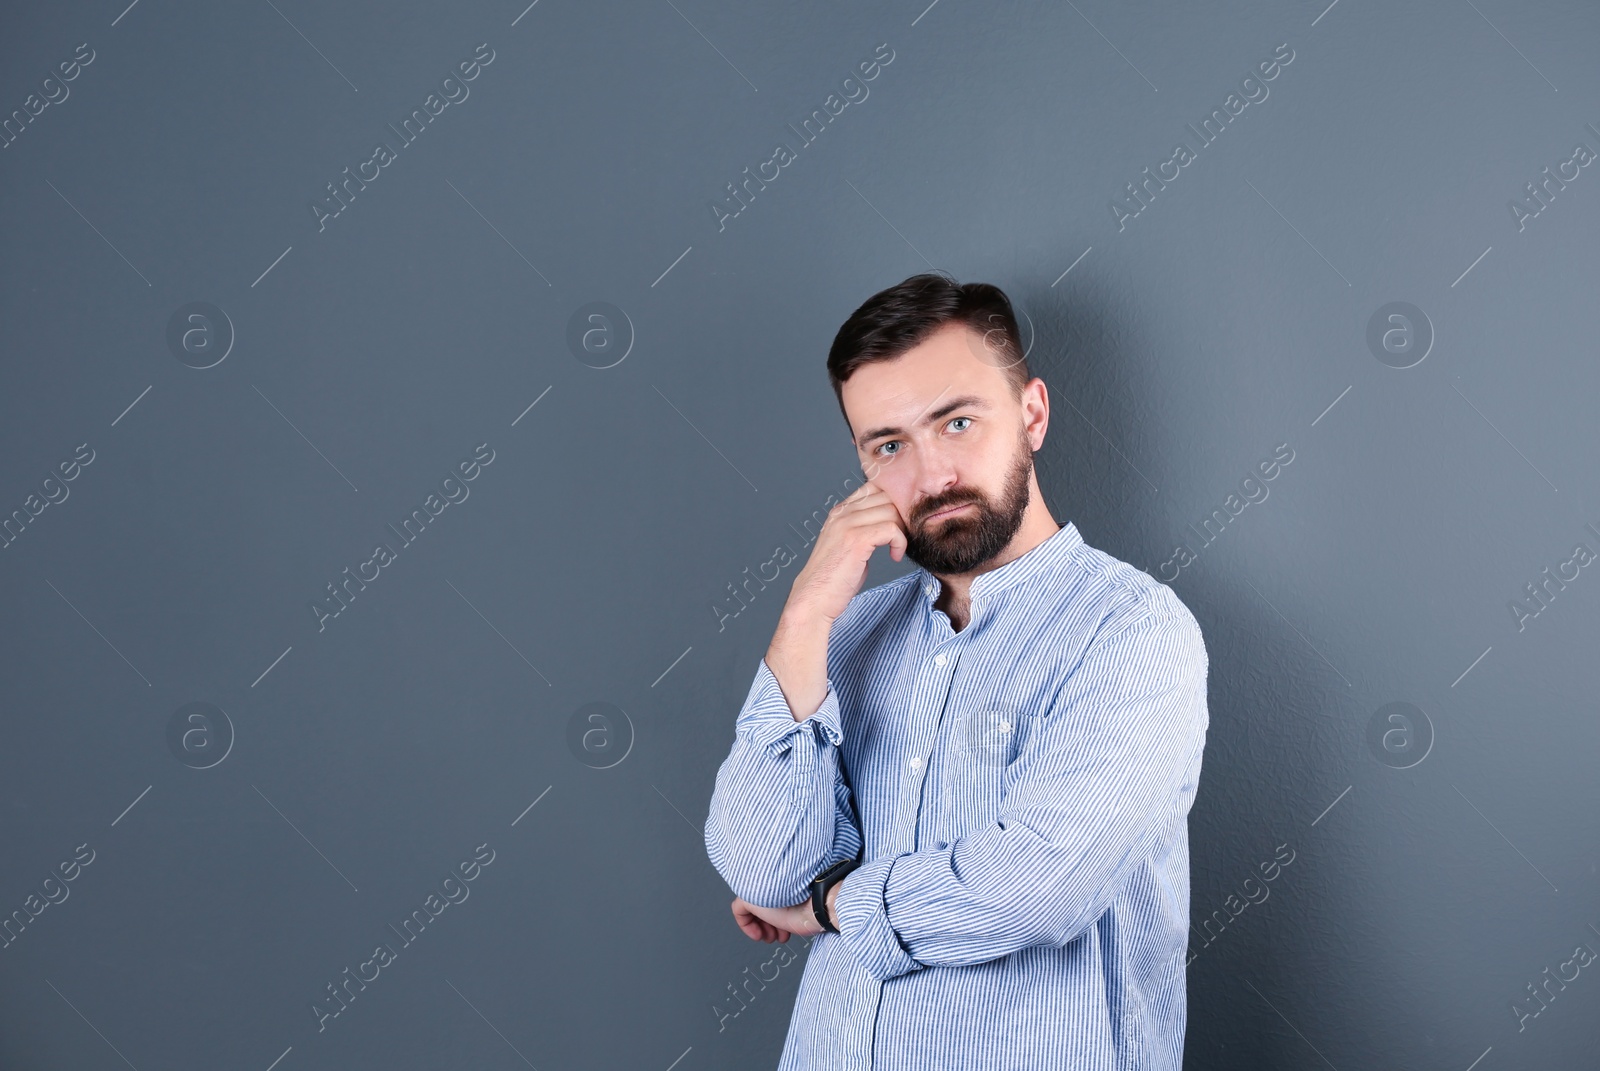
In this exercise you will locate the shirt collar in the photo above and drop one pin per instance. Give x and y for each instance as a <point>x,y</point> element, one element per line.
<point>1037,562</point>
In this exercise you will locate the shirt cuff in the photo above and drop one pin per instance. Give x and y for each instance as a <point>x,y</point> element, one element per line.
<point>863,920</point>
<point>768,722</point>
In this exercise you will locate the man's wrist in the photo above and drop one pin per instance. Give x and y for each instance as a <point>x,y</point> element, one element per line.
<point>824,891</point>
<point>800,612</point>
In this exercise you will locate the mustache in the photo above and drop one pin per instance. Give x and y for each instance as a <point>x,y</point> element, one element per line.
<point>933,506</point>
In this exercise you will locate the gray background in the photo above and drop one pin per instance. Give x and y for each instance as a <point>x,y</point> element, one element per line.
<point>1432,881</point>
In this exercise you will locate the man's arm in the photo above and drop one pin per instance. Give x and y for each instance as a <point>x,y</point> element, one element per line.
<point>1109,768</point>
<point>780,812</point>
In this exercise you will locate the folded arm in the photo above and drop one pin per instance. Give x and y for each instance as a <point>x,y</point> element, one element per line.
<point>1110,767</point>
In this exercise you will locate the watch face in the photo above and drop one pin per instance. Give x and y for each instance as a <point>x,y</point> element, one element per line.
<point>838,870</point>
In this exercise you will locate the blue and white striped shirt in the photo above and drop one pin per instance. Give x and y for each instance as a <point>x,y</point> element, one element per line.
<point>1023,788</point>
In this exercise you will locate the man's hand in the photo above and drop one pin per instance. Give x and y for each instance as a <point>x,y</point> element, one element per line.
<point>835,571</point>
<point>771,924</point>
<point>837,567</point>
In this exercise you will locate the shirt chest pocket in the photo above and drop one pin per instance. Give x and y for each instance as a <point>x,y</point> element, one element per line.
<point>977,748</point>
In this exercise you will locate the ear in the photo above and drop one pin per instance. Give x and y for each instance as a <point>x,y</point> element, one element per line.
<point>1036,411</point>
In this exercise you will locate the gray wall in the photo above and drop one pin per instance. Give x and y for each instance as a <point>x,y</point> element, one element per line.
<point>263,793</point>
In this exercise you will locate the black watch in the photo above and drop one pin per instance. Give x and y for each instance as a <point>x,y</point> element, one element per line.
<point>820,886</point>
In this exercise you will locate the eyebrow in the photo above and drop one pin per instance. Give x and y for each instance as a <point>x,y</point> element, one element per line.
<point>971,401</point>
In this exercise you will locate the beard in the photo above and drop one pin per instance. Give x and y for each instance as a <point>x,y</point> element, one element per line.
<point>959,544</point>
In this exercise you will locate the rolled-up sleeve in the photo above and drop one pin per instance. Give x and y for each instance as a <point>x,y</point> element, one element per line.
<point>1109,770</point>
<point>780,812</point>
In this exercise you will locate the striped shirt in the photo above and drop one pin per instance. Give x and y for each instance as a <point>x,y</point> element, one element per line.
<point>1023,788</point>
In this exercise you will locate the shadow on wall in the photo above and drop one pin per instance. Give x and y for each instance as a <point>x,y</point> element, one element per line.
<point>1276,707</point>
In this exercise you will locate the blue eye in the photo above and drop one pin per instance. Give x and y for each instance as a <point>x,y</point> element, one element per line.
<point>966,418</point>
<point>890,443</point>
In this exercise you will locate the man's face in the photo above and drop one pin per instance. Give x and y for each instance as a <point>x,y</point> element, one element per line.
<point>939,429</point>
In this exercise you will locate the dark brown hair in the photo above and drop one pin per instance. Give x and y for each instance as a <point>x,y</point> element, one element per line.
<point>895,320</point>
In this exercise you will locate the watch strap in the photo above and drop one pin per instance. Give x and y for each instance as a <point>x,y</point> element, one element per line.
<point>820,886</point>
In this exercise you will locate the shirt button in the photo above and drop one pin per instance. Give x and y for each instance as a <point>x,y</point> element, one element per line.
<point>940,659</point>
<point>916,762</point>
